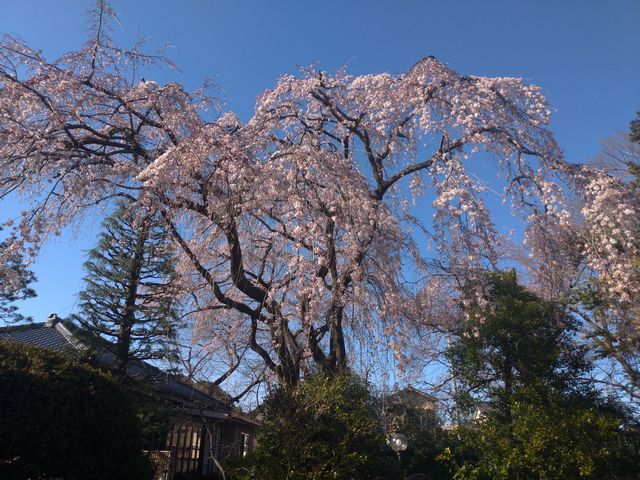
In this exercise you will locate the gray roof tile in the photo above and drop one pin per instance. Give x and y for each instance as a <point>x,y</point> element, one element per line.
<point>38,334</point>
<point>60,338</point>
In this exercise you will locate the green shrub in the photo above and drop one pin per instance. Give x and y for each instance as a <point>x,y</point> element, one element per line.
<point>325,428</point>
<point>63,419</point>
<point>519,364</point>
<point>554,439</point>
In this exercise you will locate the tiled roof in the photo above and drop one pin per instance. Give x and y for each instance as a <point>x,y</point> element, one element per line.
<point>58,337</point>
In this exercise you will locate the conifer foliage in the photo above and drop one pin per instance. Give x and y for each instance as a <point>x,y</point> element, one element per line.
<point>15,278</point>
<point>129,296</point>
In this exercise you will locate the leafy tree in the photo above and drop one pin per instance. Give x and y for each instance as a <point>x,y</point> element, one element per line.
<point>130,295</point>
<point>323,429</point>
<point>15,278</point>
<point>592,263</point>
<point>512,339</point>
<point>552,437</point>
<point>516,356</point>
<point>63,419</point>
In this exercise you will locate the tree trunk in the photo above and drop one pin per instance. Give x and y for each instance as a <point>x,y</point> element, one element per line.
<point>123,343</point>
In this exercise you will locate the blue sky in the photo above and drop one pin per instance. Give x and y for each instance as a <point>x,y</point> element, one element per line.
<point>585,55</point>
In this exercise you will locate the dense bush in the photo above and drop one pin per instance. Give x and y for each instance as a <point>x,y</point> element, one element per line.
<point>551,438</point>
<point>63,419</point>
<point>521,370</point>
<point>325,428</point>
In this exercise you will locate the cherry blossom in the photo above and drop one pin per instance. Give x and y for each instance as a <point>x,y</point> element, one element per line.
<point>293,228</point>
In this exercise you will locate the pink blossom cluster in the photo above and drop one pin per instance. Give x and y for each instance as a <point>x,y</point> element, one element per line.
<point>611,213</point>
<point>293,229</point>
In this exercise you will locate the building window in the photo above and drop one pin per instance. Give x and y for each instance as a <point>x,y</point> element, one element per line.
<point>245,444</point>
<point>185,441</point>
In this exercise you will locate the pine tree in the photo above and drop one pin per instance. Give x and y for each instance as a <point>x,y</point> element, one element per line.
<point>15,279</point>
<point>634,129</point>
<point>129,296</point>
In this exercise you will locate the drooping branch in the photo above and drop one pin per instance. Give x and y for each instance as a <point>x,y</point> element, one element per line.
<point>293,226</point>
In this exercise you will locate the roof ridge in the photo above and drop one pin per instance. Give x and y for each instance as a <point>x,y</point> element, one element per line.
<point>70,337</point>
<point>23,326</point>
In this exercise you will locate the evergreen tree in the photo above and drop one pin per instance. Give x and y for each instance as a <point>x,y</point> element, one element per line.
<point>63,419</point>
<point>516,355</point>
<point>634,129</point>
<point>129,295</point>
<point>513,340</point>
<point>634,137</point>
<point>15,278</point>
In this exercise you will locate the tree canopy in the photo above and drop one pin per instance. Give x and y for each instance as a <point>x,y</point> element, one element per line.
<point>591,262</point>
<point>510,340</point>
<point>296,226</point>
<point>130,295</point>
<point>325,428</point>
<point>531,410</point>
<point>15,278</point>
